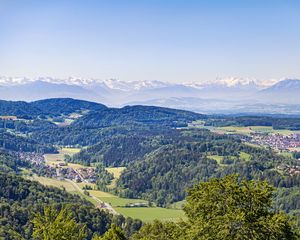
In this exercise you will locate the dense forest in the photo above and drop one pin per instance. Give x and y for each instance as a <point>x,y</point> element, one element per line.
<point>19,143</point>
<point>164,174</point>
<point>147,115</point>
<point>47,107</point>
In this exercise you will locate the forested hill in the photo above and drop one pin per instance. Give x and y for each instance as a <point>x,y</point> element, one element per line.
<point>57,106</point>
<point>21,200</point>
<point>47,107</point>
<point>138,115</point>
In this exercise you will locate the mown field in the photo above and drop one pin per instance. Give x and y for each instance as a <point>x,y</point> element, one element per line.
<point>146,214</point>
<point>243,130</point>
<point>53,159</point>
<point>244,156</point>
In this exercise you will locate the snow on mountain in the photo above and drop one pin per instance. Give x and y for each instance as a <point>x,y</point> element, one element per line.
<point>285,85</point>
<point>10,81</point>
<point>116,84</point>
<point>220,95</point>
<point>234,82</point>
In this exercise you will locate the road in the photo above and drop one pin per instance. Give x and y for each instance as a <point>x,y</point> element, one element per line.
<point>107,206</point>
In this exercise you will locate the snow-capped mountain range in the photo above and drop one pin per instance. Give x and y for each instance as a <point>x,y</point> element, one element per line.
<point>219,96</point>
<point>137,85</point>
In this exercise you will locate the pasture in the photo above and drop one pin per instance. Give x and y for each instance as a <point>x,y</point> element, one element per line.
<point>56,158</point>
<point>116,171</point>
<point>146,214</point>
<point>216,157</point>
<point>149,214</point>
<point>113,200</point>
<point>252,129</point>
<point>55,183</point>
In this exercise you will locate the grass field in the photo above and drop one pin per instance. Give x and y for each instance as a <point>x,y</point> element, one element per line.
<point>252,129</point>
<point>245,156</point>
<point>55,183</point>
<point>149,214</point>
<point>53,159</point>
<point>233,130</point>
<point>113,200</point>
<point>62,184</point>
<point>216,157</point>
<point>116,171</point>
<point>146,214</point>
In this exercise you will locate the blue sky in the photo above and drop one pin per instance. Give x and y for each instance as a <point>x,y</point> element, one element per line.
<point>150,40</point>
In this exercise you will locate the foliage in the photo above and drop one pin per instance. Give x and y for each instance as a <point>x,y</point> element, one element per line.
<point>120,149</point>
<point>222,209</point>
<point>114,233</point>
<point>17,143</point>
<point>47,107</point>
<point>53,225</point>
<point>104,178</point>
<point>148,115</point>
<point>275,122</point>
<point>164,174</point>
<point>229,209</point>
<point>65,106</point>
<point>21,200</point>
<point>9,163</point>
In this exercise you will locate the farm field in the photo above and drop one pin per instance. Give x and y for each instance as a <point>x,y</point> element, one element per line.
<point>53,159</point>
<point>245,156</point>
<point>242,130</point>
<point>116,171</point>
<point>149,214</point>
<point>146,214</point>
<point>113,200</point>
<point>252,129</point>
<point>216,157</point>
<point>55,183</point>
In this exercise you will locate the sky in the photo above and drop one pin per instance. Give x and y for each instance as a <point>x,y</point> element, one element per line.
<point>167,40</point>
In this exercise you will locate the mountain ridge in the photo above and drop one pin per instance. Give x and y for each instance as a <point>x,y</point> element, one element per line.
<point>232,93</point>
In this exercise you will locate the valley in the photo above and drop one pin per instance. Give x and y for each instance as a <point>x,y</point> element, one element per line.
<point>77,184</point>
<point>138,163</point>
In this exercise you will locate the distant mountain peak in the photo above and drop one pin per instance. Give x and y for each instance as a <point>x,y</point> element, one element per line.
<point>286,84</point>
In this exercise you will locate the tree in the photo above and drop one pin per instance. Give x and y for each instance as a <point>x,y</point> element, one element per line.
<point>54,225</point>
<point>231,209</point>
<point>225,209</point>
<point>114,233</point>
<point>161,231</point>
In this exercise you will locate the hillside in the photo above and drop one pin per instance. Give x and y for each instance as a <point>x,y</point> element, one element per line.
<point>22,199</point>
<point>164,174</point>
<point>147,115</point>
<point>47,107</point>
<point>58,106</point>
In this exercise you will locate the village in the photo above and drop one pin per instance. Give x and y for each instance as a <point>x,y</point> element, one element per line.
<point>59,170</point>
<point>276,141</point>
